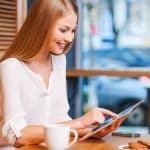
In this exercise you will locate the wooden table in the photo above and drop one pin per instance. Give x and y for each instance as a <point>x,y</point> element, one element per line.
<point>124,72</point>
<point>108,143</point>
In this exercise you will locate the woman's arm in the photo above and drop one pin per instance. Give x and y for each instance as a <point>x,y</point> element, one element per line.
<point>30,135</point>
<point>35,134</point>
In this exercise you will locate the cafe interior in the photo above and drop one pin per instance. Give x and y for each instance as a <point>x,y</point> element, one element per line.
<point>108,65</point>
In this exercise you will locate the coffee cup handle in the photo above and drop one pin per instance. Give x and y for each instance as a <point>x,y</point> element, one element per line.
<point>75,137</point>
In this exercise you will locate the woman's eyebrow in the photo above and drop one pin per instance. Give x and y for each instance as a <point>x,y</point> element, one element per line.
<point>68,27</point>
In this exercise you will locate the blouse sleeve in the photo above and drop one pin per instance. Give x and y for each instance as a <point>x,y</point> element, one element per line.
<point>14,115</point>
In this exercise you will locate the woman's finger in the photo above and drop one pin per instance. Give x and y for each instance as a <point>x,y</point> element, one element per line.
<point>108,112</point>
<point>99,118</point>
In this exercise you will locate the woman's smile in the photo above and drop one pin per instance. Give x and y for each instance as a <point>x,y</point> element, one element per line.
<point>61,45</point>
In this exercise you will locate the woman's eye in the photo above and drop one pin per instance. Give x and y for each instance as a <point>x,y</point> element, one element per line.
<point>73,31</point>
<point>63,30</point>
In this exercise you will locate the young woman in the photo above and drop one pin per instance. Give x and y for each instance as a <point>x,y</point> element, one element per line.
<point>33,76</point>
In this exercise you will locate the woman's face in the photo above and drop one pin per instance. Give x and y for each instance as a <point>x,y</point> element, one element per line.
<point>63,34</point>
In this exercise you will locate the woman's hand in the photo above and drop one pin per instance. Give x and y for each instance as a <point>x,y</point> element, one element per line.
<point>95,116</point>
<point>109,129</point>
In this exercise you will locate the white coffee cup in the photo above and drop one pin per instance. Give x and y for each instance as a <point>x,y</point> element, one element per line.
<point>57,136</point>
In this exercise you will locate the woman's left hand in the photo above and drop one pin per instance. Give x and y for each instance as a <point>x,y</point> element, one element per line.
<point>109,129</point>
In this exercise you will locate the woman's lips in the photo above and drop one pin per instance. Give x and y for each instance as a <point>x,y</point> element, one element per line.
<point>61,46</point>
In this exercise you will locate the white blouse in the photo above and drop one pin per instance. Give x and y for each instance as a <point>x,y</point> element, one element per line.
<point>26,99</point>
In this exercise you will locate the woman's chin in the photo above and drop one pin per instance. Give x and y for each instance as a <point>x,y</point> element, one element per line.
<point>57,52</point>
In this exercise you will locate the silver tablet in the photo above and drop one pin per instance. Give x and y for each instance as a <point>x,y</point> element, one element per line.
<point>108,122</point>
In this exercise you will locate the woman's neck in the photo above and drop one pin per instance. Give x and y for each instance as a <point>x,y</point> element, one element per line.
<point>40,58</point>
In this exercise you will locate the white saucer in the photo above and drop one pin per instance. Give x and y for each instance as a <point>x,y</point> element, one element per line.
<point>121,147</point>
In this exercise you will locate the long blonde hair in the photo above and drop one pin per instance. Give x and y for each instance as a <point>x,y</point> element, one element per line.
<point>39,24</point>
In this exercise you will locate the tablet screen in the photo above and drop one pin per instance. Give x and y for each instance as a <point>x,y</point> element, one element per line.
<point>109,121</point>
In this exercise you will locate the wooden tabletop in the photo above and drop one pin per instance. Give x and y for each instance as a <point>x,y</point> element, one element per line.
<point>128,72</point>
<point>108,143</point>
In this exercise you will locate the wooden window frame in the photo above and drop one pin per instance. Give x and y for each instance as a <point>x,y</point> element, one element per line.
<point>19,17</point>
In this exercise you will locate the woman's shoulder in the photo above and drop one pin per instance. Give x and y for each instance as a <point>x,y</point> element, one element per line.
<point>10,69</point>
<point>9,62</point>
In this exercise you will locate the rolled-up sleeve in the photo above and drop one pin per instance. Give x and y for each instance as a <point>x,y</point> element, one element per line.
<point>14,115</point>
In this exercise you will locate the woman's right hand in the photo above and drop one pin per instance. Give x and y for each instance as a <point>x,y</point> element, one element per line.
<point>95,116</point>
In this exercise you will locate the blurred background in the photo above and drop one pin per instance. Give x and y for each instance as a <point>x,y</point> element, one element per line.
<point>115,35</point>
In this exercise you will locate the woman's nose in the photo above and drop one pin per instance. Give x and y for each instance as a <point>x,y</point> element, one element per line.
<point>69,37</point>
